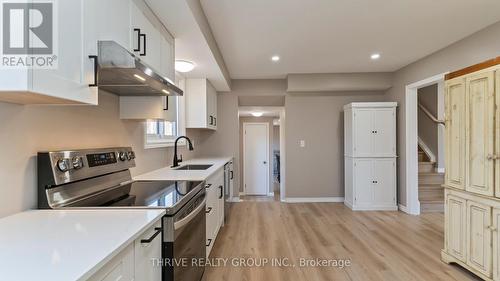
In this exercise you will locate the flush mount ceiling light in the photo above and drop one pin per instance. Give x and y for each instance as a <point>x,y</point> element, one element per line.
<point>257,114</point>
<point>184,66</point>
<point>275,58</point>
<point>140,77</point>
<point>375,56</point>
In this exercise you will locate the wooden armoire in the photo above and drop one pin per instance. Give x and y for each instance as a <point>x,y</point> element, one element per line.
<point>472,179</point>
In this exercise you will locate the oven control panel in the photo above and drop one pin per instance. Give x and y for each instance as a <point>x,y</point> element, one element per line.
<point>72,165</point>
<point>100,159</point>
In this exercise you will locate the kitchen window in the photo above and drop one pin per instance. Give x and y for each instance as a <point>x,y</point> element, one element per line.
<point>162,133</point>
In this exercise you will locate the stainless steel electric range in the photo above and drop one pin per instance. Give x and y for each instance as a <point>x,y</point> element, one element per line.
<point>100,178</point>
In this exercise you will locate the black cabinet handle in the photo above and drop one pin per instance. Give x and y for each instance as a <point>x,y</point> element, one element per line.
<point>143,36</point>
<point>150,239</point>
<point>209,242</point>
<point>208,185</point>
<point>211,120</point>
<point>138,30</point>
<point>215,121</point>
<point>232,174</point>
<point>94,58</point>
<point>209,209</point>
<point>165,107</point>
<point>221,192</point>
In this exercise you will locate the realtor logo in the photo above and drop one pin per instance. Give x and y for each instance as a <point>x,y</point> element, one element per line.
<point>28,34</point>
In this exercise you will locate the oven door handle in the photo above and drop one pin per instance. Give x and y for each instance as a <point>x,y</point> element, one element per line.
<point>181,223</point>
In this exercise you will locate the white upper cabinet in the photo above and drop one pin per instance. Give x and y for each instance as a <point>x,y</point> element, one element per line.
<point>370,129</point>
<point>201,104</point>
<point>167,56</point>
<point>150,41</point>
<point>78,25</point>
<point>65,82</point>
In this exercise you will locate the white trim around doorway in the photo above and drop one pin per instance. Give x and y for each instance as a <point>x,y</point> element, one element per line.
<point>411,118</point>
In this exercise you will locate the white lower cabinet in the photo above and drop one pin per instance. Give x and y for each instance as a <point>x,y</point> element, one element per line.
<point>138,261</point>
<point>370,183</point>
<point>120,267</point>
<point>215,207</point>
<point>148,254</point>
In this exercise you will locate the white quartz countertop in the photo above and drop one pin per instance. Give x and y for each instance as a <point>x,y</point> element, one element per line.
<point>67,244</point>
<point>168,173</point>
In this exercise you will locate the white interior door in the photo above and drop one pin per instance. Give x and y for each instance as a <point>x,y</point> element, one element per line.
<point>256,158</point>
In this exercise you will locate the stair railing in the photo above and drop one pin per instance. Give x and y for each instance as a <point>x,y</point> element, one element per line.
<point>429,114</point>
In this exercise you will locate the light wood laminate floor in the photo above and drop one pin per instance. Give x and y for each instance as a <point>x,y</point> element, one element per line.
<point>380,245</point>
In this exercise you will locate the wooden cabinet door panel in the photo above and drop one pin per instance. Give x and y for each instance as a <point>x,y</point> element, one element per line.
<point>455,133</point>
<point>480,133</point>
<point>455,224</point>
<point>479,250</point>
<point>497,133</point>
<point>496,244</point>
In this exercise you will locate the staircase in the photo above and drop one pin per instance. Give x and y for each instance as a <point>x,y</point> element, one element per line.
<point>430,191</point>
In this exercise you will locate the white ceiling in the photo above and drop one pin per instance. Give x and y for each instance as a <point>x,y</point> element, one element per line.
<point>190,42</point>
<point>327,36</point>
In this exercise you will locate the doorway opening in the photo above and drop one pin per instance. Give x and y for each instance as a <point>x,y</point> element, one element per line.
<point>412,107</point>
<point>262,151</point>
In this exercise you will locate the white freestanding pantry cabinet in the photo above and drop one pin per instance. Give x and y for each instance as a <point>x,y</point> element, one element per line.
<point>370,156</point>
<point>472,179</point>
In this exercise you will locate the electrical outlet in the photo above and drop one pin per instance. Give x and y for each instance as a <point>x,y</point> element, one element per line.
<point>302,143</point>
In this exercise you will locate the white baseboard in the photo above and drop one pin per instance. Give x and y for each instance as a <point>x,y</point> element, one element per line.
<point>314,199</point>
<point>403,208</point>
<point>375,208</point>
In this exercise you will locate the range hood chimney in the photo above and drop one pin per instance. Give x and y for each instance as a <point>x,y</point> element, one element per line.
<point>122,73</point>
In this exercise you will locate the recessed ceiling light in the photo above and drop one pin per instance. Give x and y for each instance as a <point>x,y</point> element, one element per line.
<point>275,58</point>
<point>184,66</point>
<point>139,77</point>
<point>375,56</point>
<point>257,114</point>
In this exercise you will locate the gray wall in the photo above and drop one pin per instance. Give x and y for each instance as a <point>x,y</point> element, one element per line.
<point>225,141</point>
<point>476,48</point>
<point>317,170</point>
<point>269,121</point>
<point>427,129</point>
<point>25,130</point>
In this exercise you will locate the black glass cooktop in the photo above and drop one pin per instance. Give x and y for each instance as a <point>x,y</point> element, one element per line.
<point>170,195</point>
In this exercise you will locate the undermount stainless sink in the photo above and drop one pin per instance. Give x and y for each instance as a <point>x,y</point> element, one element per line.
<point>194,167</point>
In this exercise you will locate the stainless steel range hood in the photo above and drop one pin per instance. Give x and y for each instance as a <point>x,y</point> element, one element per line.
<point>122,73</point>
